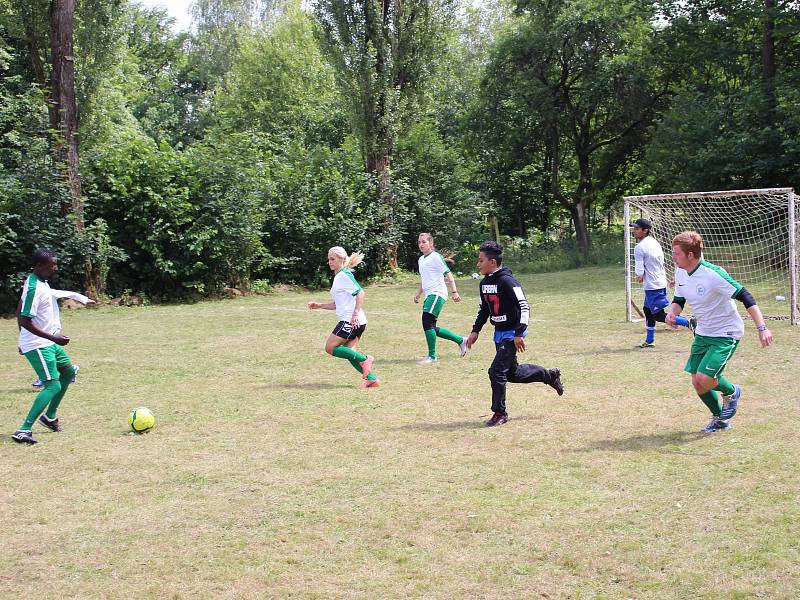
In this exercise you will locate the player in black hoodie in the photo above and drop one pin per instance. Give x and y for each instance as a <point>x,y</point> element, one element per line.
<point>503,302</point>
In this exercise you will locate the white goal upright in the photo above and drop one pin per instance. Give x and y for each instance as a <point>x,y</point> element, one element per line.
<point>752,234</point>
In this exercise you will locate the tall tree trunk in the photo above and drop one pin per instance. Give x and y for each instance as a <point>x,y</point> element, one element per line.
<point>579,206</point>
<point>578,212</point>
<point>62,13</point>
<point>62,93</point>
<point>378,162</point>
<point>768,67</point>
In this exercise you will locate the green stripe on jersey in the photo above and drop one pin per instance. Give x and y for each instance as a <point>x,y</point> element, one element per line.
<point>29,296</point>
<point>444,262</point>
<point>724,274</point>
<point>349,273</point>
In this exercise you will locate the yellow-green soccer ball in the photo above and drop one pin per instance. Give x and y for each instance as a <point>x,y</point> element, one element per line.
<point>141,419</point>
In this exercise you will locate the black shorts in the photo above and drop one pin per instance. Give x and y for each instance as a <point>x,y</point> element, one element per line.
<point>345,330</point>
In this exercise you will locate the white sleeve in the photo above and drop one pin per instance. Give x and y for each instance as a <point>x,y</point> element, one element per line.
<point>638,255</point>
<point>66,294</point>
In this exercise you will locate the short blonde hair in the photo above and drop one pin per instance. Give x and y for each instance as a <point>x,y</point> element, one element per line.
<point>689,241</point>
<point>351,260</point>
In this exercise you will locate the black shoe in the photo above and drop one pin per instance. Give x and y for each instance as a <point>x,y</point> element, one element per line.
<point>555,381</point>
<point>51,424</point>
<point>497,419</point>
<point>22,436</point>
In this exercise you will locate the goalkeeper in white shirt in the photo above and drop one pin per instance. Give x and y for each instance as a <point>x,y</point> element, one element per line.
<point>42,343</point>
<point>650,272</point>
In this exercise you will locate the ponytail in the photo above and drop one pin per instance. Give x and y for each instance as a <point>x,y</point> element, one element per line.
<point>351,261</point>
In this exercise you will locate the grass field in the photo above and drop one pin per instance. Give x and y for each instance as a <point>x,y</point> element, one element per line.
<point>269,475</point>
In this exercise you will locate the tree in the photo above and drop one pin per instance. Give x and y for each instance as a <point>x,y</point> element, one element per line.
<point>383,52</point>
<point>732,122</point>
<point>583,77</point>
<point>62,95</point>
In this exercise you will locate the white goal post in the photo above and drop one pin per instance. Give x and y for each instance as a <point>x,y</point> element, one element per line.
<point>752,234</point>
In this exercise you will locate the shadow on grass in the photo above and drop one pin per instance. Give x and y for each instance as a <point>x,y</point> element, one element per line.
<point>302,386</point>
<point>623,350</point>
<point>478,423</point>
<point>645,442</point>
<point>394,361</point>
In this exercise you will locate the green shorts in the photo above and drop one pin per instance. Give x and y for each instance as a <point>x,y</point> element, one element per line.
<point>433,305</point>
<point>710,355</point>
<point>47,361</point>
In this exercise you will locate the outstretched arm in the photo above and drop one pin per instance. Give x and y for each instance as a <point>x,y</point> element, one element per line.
<point>73,296</point>
<point>313,305</point>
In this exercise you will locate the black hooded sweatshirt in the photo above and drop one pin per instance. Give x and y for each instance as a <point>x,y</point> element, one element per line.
<point>502,302</point>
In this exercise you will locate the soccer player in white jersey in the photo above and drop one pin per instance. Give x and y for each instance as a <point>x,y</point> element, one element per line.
<point>649,268</point>
<point>711,292</point>
<point>348,302</point>
<point>42,343</point>
<point>432,272</point>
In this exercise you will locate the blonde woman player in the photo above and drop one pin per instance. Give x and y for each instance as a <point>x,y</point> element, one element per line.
<point>348,302</point>
<point>432,272</point>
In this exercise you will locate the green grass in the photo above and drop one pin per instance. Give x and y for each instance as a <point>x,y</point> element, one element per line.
<point>269,475</point>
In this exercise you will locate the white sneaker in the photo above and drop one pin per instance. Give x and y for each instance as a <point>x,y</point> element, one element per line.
<point>75,376</point>
<point>463,346</point>
<point>38,383</point>
<point>428,360</point>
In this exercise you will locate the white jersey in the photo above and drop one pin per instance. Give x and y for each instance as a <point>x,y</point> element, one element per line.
<point>650,263</point>
<point>40,304</point>
<point>432,269</point>
<point>709,290</point>
<point>344,290</point>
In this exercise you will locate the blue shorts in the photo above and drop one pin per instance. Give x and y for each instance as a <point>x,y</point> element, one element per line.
<point>499,336</point>
<point>656,300</point>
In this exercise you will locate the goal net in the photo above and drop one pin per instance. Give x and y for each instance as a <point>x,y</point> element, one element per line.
<point>752,234</point>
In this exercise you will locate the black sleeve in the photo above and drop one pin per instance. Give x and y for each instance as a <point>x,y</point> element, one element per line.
<point>745,298</point>
<point>483,314</point>
<point>679,301</point>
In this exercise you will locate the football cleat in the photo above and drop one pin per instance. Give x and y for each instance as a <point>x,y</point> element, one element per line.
<point>370,383</point>
<point>429,360</point>
<point>731,403</point>
<point>23,436</point>
<point>51,424</point>
<point>715,424</point>
<point>497,419</point>
<point>555,381</point>
<point>366,366</point>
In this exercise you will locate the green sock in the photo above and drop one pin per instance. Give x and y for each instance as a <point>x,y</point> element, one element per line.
<point>348,353</point>
<point>711,400</point>
<point>371,376</point>
<point>51,389</point>
<point>65,379</point>
<point>355,364</point>
<point>449,335</point>
<point>725,387</point>
<point>430,337</point>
